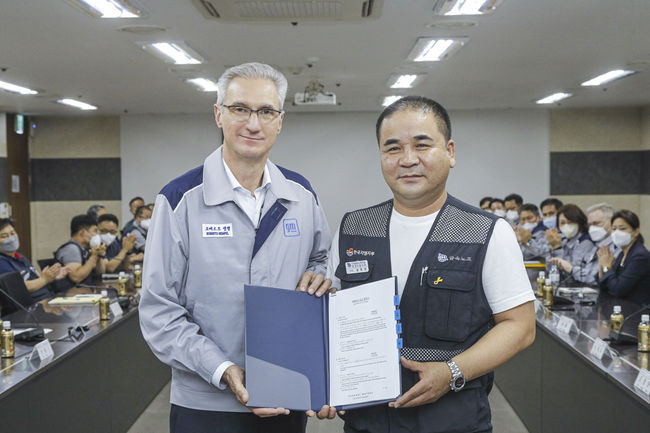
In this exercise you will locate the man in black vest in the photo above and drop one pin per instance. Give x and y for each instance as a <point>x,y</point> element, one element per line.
<point>465,299</point>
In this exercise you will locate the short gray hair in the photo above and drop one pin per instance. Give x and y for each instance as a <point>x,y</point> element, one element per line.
<point>252,70</point>
<point>605,208</point>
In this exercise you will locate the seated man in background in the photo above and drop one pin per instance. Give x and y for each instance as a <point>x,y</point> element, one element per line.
<point>484,204</point>
<point>83,254</point>
<point>549,208</point>
<point>96,210</point>
<point>11,261</point>
<point>141,227</point>
<point>134,204</point>
<point>531,233</point>
<point>117,251</point>
<point>512,204</point>
<point>497,207</point>
<point>599,218</point>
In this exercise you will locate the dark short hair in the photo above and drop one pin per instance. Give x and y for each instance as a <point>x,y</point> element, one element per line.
<point>574,214</point>
<point>108,217</point>
<point>626,215</point>
<point>497,200</point>
<point>134,199</point>
<point>4,222</point>
<point>530,208</point>
<point>516,197</point>
<point>551,202</point>
<point>81,222</point>
<point>140,210</point>
<point>484,199</point>
<point>422,104</point>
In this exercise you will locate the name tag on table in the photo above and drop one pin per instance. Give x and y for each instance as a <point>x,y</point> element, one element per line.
<point>565,325</point>
<point>642,382</point>
<point>116,309</point>
<point>598,348</point>
<point>223,230</point>
<point>357,267</point>
<point>42,351</point>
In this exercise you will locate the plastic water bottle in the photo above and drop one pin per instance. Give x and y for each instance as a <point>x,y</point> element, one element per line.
<point>554,278</point>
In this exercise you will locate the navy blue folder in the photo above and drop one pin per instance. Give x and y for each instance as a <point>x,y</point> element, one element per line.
<point>286,349</point>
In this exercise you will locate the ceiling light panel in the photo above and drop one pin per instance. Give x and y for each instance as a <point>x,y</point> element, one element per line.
<point>204,84</point>
<point>390,99</point>
<point>107,8</point>
<point>435,49</point>
<point>13,88</point>
<point>405,81</point>
<point>608,77</point>
<point>465,7</point>
<point>177,52</point>
<point>555,97</point>
<point>76,104</point>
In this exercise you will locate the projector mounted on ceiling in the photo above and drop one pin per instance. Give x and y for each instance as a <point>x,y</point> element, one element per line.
<point>314,94</point>
<point>289,11</point>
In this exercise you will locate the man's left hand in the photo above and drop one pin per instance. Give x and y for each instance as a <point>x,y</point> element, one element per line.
<point>433,384</point>
<point>314,284</point>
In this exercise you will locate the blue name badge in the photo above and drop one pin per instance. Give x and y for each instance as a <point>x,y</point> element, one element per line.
<point>291,228</point>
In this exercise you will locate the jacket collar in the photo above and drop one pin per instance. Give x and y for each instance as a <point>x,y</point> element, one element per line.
<point>217,188</point>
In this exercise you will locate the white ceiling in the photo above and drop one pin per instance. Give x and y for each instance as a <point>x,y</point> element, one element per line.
<point>526,50</point>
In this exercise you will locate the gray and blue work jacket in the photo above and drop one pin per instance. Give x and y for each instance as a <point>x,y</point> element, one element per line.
<point>444,310</point>
<point>201,250</point>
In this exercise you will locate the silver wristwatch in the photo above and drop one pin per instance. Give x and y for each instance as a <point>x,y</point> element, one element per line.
<point>457,381</point>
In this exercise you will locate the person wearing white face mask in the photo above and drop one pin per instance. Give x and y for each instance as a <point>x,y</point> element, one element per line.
<point>576,258</point>
<point>498,208</point>
<point>513,203</point>
<point>83,254</point>
<point>117,251</point>
<point>141,227</point>
<point>530,233</point>
<point>628,275</point>
<point>599,218</point>
<point>12,261</point>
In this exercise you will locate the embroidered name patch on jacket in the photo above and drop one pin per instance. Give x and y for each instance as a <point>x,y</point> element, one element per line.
<point>217,230</point>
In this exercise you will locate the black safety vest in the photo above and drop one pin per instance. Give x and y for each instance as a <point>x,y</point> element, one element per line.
<point>444,310</point>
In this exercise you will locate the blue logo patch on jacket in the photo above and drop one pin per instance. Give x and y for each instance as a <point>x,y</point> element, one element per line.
<point>291,228</point>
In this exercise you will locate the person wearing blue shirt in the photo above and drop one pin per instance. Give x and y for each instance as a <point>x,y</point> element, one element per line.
<point>531,233</point>
<point>628,275</point>
<point>12,261</point>
<point>117,250</point>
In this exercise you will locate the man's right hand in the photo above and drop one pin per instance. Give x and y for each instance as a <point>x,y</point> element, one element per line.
<point>553,237</point>
<point>128,242</point>
<point>235,378</point>
<point>523,235</point>
<point>314,284</point>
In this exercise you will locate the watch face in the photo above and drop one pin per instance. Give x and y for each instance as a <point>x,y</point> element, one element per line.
<point>459,382</point>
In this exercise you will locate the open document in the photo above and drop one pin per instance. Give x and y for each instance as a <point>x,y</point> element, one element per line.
<point>342,350</point>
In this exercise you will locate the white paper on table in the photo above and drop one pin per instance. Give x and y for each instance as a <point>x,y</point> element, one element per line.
<point>363,355</point>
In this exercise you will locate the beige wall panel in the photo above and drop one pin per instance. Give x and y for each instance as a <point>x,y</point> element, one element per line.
<point>595,129</point>
<point>639,204</point>
<point>51,223</point>
<point>3,135</point>
<point>76,137</point>
<point>645,128</point>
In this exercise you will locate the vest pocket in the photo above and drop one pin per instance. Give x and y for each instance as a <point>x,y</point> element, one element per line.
<point>358,275</point>
<point>448,304</point>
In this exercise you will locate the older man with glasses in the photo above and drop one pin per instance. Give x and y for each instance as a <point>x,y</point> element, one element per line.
<point>237,219</point>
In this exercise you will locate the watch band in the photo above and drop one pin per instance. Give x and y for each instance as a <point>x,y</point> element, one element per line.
<point>457,381</point>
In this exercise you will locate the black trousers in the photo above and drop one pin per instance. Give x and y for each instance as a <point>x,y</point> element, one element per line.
<point>185,420</point>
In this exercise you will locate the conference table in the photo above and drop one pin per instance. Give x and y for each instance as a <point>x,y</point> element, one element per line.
<point>100,378</point>
<point>572,379</point>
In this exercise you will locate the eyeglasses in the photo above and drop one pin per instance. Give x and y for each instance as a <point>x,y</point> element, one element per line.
<point>244,113</point>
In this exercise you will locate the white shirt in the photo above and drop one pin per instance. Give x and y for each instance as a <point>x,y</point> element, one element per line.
<point>251,204</point>
<point>505,281</point>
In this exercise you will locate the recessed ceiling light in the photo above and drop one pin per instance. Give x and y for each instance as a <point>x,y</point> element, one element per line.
<point>435,49</point>
<point>77,104</point>
<point>390,99</point>
<point>13,88</point>
<point>107,8</point>
<point>178,53</point>
<point>203,84</point>
<point>608,77</point>
<point>404,81</point>
<point>465,7</point>
<point>555,97</point>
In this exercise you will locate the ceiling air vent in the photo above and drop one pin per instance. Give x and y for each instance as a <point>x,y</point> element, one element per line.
<point>289,10</point>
